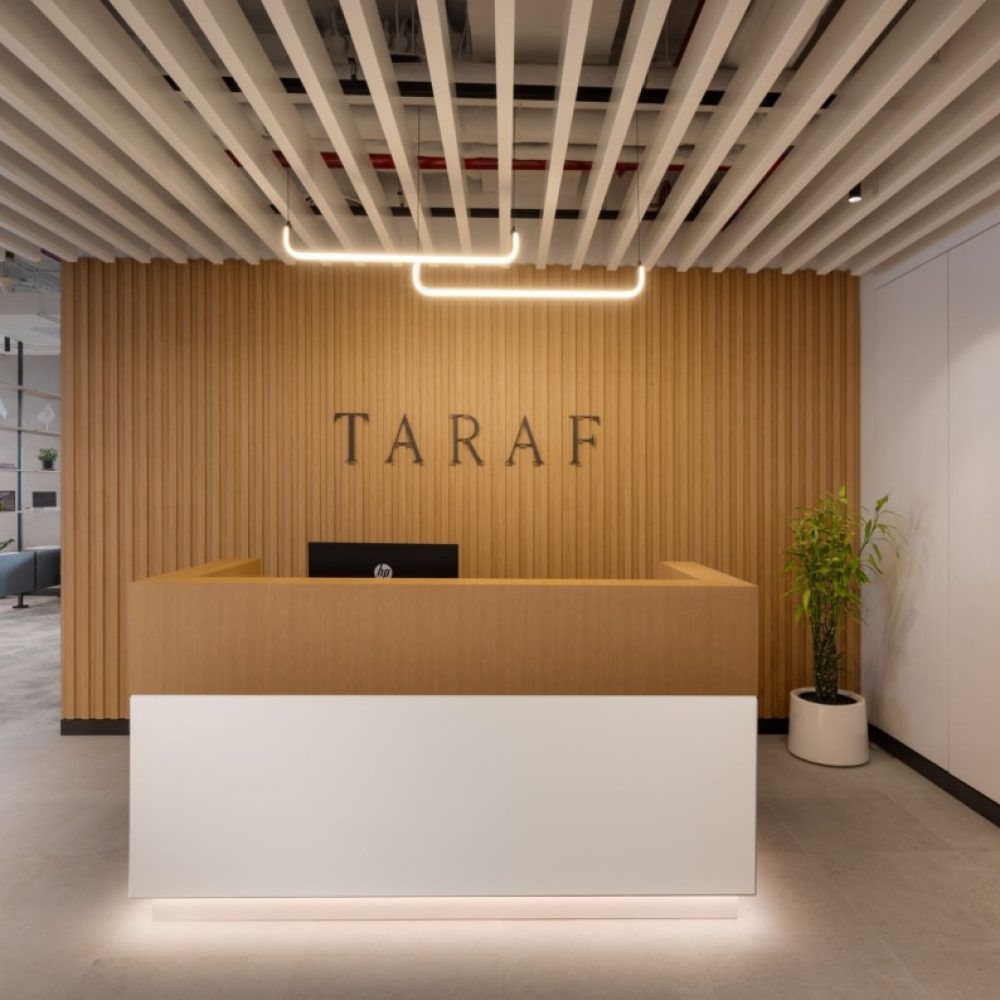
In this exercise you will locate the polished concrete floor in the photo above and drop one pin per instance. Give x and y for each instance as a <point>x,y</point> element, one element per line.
<point>872,884</point>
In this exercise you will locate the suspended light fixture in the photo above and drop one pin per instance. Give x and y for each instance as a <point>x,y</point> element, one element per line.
<point>855,195</point>
<point>542,293</point>
<point>381,257</point>
<point>522,292</point>
<point>437,259</point>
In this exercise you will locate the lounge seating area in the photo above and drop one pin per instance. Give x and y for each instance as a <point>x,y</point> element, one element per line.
<point>31,571</point>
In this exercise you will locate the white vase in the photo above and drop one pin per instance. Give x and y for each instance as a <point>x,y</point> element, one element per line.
<point>836,735</point>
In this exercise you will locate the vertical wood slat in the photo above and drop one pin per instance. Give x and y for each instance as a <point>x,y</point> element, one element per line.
<point>199,406</point>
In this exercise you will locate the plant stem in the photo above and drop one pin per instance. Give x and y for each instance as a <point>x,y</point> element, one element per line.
<point>825,660</point>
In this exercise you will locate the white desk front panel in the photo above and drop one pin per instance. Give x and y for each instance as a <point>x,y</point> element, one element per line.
<point>332,796</point>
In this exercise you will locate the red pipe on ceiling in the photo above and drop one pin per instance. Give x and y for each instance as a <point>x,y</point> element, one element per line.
<point>383,161</point>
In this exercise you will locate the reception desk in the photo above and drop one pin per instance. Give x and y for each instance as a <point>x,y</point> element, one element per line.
<point>443,747</point>
<point>224,629</point>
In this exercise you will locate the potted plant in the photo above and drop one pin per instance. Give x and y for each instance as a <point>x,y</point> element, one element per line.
<point>835,551</point>
<point>48,456</point>
<point>3,545</point>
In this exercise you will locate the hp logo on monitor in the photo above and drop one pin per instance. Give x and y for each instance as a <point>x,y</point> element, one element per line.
<point>383,571</point>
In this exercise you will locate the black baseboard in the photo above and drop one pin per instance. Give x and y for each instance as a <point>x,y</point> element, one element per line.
<point>936,774</point>
<point>119,727</point>
<point>772,727</point>
<point>93,727</point>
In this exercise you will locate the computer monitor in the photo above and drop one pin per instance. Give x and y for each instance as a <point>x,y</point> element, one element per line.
<point>382,559</point>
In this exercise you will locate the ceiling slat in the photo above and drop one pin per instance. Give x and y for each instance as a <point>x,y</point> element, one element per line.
<point>778,37</point>
<point>716,25</point>
<point>955,225</point>
<point>437,44</point>
<point>856,26</point>
<point>32,207</point>
<point>958,200</point>
<point>123,133</point>
<point>953,168</point>
<point>373,52</point>
<point>71,203</point>
<point>640,45</point>
<point>300,36</point>
<point>230,34</point>
<point>14,244</point>
<point>31,38</point>
<point>971,52</point>
<point>110,49</point>
<point>64,130</point>
<point>165,35</point>
<point>961,119</point>
<point>36,234</point>
<point>925,27</point>
<point>504,14</point>
<point>574,43</point>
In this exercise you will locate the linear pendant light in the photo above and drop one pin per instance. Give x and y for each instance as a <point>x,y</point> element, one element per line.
<point>542,293</point>
<point>352,257</point>
<point>538,293</point>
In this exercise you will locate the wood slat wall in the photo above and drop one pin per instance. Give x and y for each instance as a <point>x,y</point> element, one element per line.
<point>198,426</point>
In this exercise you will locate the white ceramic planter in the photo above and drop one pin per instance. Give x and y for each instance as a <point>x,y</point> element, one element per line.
<point>836,735</point>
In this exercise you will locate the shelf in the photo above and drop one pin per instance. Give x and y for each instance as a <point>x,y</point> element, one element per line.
<point>38,393</point>
<point>29,430</point>
<point>34,510</point>
<point>32,472</point>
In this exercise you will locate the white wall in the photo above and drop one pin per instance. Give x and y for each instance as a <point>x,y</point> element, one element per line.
<point>931,437</point>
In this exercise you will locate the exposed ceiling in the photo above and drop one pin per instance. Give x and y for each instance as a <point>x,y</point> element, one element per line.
<point>734,129</point>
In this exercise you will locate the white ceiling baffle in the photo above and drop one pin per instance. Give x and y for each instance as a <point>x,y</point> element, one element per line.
<point>690,133</point>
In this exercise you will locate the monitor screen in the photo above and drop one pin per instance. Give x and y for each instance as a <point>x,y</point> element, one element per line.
<point>382,560</point>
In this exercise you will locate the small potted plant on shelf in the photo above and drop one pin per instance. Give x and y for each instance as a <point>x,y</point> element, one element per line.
<point>48,456</point>
<point>836,550</point>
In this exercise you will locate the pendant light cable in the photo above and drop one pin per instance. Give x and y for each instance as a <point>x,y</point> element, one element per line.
<point>572,294</point>
<point>389,257</point>
<point>638,210</point>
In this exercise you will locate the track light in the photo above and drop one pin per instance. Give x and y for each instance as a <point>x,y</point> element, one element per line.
<point>855,196</point>
<point>557,294</point>
<point>352,257</point>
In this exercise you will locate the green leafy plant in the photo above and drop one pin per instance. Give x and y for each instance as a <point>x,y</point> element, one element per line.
<point>3,545</point>
<point>836,549</point>
<point>48,456</point>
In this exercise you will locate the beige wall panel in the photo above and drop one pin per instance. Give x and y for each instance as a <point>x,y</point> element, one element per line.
<point>199,427</point>
<point>223,629</point>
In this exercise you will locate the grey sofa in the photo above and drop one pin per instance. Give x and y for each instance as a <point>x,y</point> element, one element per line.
<point>30,571</point>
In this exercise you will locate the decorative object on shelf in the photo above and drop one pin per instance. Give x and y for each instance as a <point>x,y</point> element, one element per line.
<point>8,501</point>
<point>828,568</point>
<point>43,500</point>
<point>46,416</point>
<point>48,456</point>
<point>3,409</point>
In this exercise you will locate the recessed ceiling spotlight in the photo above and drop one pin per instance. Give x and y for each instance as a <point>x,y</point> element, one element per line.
<point>855,196</point>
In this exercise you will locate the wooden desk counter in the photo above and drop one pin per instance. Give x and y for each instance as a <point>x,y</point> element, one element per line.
<point>222,628</point>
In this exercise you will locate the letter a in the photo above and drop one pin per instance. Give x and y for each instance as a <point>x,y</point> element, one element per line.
<point>525,429</point>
